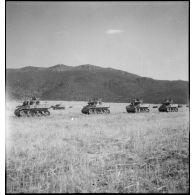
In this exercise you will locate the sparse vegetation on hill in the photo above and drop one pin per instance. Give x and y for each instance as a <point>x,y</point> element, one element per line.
<point>79,83</point>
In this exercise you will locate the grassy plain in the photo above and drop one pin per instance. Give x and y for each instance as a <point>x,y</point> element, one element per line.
<point>120,152</point>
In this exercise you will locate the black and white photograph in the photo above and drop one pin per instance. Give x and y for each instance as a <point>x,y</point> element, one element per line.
<point>97,97</point>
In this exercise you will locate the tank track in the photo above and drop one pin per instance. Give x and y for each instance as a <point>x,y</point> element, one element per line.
<point>137,110</point>
<point>32,112</point>
<point>169,109</point>
<point>96,111</point>
<point>58,107</point>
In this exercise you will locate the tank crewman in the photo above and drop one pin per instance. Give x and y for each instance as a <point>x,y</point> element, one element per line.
<point>37,102</point>
<point>31,102</point>
<point>25,103</point>
<point>34,98</point>
<point>167,101</point>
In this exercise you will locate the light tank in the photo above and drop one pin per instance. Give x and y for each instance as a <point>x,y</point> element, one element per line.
<point>58,107</point>
<point>31,107</point>
<point>136,105</point>
<point>95,107</point>
<point>168,106</point>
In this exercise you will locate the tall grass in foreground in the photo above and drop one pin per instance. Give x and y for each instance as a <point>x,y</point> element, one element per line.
<point>120,152</point>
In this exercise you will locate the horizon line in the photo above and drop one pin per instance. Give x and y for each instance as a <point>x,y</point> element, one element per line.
<point>96,66</point>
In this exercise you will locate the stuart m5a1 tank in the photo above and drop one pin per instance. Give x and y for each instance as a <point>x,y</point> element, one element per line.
<point>137,105</point>
<point>168,106</point>
<point>95,106</point>
<point>31,107</point>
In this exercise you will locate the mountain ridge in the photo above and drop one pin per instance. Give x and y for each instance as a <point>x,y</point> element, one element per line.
<point>79,66</point>
<point>62,82</point>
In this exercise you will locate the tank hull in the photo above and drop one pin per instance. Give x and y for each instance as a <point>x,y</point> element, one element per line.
<point>21,112</point>
<point>164,108</point>
<point>137,109</point>
<point>95,110</point>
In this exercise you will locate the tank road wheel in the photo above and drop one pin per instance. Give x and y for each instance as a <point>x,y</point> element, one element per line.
<point>90,111</point>
<point>41,112</point>
<point>32,113</point>
<point>17,113</point>
<point>128,110</point>
<point>47,113</point>
<point>107,111</point>
<point>176,109</point>
<point>104,111</point>
<point>38,113</point>
<point>97,111</point>
<point>101,111</point>
<point>28,113</point>
<point>147,110</point>
<point>22,113</point>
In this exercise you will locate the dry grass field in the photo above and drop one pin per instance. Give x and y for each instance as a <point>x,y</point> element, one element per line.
<point>117,152</point>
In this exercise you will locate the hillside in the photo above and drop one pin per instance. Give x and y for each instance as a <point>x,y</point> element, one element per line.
<point>62,82</point>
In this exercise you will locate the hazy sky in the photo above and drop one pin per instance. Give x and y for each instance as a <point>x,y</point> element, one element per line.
<point>146,38</point>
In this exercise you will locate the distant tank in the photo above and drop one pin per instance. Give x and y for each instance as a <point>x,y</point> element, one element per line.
<point>58,107</point>
<point>136,105</point>
<point>31,107</point>
<point>168,106</point>
<point>95,107</point>
<point>180,105</point>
